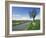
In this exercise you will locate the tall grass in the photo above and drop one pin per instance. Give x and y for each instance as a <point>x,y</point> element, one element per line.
<point>35,26</point>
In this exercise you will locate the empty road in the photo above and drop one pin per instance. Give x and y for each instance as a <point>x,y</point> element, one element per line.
<point>20,27</point>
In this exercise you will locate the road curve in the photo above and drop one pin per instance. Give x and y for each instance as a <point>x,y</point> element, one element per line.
<point>20,27</point>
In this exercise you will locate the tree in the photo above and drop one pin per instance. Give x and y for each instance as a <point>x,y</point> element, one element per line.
<point>32,14</point>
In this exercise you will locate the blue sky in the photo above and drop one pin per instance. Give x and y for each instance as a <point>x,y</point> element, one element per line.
<point>22,13</point>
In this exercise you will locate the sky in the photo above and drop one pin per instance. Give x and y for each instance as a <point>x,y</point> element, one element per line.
<point>22,13</point>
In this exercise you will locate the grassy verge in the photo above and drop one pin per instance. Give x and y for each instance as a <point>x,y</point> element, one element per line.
<point>16,22</point>
<point>34,25</point>
<point>31,26</point>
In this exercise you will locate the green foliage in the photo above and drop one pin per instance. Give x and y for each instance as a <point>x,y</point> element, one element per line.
<point>16,22</point>
<point>34,27</point>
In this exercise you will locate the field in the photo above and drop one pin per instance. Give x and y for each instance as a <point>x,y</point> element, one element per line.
<point>34,25</point>
<point>25,25</point>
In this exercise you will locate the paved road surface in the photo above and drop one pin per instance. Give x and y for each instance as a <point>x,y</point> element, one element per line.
<point>20,27</point>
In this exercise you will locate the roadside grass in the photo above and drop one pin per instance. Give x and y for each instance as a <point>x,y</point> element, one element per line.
<point>16,22</point>
<point>34,25</point>
<point>31,26</point>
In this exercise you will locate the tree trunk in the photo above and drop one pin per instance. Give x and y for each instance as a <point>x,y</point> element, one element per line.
<point>33,19</point>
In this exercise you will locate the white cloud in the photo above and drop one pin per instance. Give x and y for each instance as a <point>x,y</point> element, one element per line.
<point>16,15</point>
<point>26,18</point>
<point>19,17</point>
<point>22,18</point>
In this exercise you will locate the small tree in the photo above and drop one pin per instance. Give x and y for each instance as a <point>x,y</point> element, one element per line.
<point>32,14</point>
